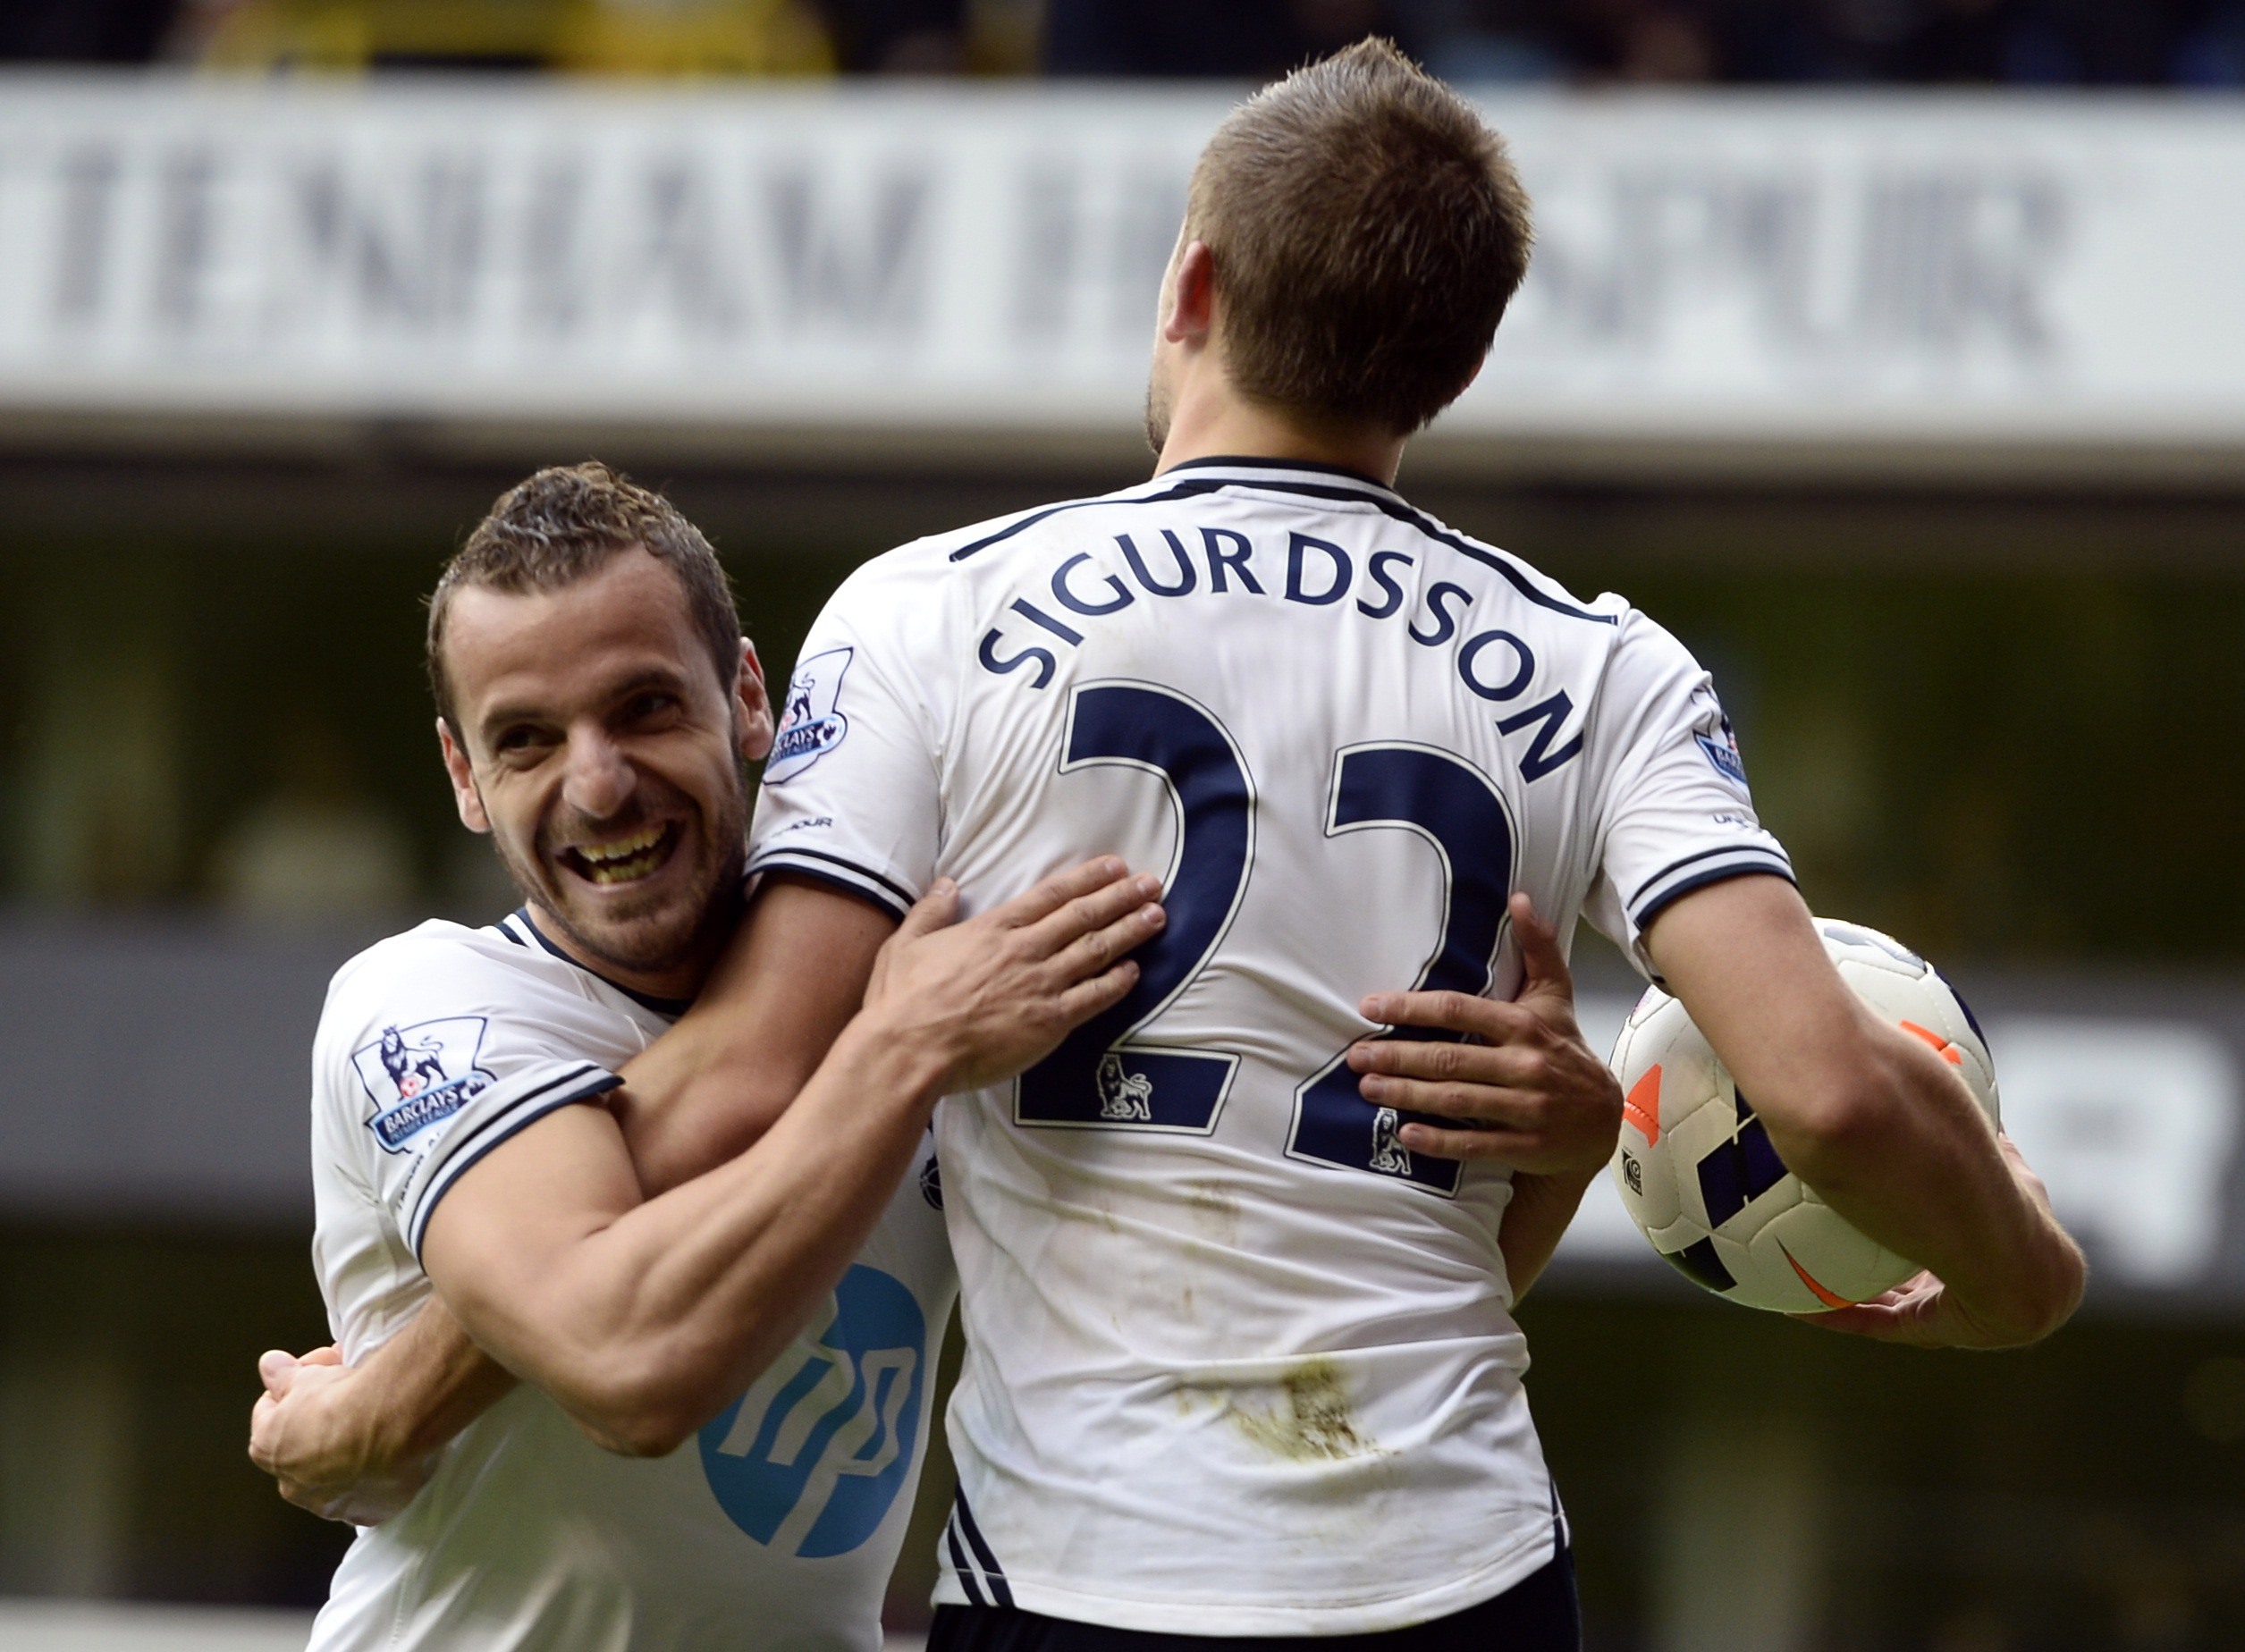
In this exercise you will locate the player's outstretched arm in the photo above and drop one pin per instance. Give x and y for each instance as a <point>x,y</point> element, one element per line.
<point>642,1317</point>
<point>1870,1118</point>
<point>355,1443</point>
<point>1527,1091</point>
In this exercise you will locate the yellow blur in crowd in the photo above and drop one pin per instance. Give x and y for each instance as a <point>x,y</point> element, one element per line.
<point>598,37</point>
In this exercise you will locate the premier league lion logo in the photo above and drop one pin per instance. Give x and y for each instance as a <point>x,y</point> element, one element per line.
<point>1124,1097</point>
<point>412,1067</point>
<point>417,1074</point>
<point>1389,1156</point>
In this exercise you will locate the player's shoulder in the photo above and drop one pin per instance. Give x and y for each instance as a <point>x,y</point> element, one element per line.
<point>437,961</point>
<point>1596,621</point>
<point>438,944</point>
<point>1607,625</point>
<point>963,553</point>
<point>1646,651</point>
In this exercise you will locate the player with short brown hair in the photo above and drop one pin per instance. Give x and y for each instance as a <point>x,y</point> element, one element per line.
<point>1367,229</point>
<point>479,1095</point>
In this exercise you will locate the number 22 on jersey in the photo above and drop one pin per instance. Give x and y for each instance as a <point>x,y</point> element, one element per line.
<point>1109,1075</point>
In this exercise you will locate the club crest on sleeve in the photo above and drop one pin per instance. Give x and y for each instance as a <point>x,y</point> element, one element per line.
<point>1721,748</point>
<point>810,724</point>
<point>416,1076</point>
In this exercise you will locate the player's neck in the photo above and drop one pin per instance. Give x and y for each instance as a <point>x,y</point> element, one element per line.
<point>1213,422</point>
<point>680,981</point>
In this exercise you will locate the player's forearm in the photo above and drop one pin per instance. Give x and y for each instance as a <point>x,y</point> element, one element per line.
<point>703,1094</point>
<point>429,1381</point>
<point>644,1326</point>
<point>1535,1220</point>
<point>1906,1157</point>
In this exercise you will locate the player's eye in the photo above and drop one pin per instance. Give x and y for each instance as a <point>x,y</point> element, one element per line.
<point>655,703</point>
<point>520,741</point>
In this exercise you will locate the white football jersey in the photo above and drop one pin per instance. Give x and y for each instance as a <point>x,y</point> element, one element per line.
<point>1239,1362</point>
<point>777,1527</point>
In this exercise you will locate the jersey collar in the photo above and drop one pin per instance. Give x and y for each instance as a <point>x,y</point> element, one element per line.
<point>517,925</point>
<point>1253,471</point>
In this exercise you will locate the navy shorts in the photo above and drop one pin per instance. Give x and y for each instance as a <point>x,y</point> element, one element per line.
<point>1537,1615</point>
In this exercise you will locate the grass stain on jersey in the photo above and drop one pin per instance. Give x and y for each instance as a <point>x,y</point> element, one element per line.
<point>1315,1418</point>
<point>1214,1210</point>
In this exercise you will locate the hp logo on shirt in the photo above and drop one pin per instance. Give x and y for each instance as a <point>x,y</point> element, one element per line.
<point>809,1460</point>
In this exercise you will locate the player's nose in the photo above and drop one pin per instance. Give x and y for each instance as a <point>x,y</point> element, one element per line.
<point>599,779</point>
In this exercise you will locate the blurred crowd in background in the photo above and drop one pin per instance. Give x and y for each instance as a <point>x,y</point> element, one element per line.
<point>2188,43</point>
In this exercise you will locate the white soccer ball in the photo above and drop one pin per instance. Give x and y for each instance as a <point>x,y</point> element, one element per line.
<point>1695,1166</point>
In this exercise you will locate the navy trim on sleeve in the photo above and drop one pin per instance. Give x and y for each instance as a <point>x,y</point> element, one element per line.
<point>1678,866</point>
<point>1766,866</point>
<point>883,892</point>
<point>507,1123</point>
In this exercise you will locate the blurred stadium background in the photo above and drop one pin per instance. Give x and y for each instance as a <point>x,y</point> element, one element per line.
<point>1892,351</point>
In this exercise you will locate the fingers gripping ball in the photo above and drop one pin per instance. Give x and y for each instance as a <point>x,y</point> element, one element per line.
<point>1695,1166</point>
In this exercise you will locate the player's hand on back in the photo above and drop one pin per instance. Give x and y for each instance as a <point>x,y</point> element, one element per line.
<point>321,1448</point>
<point>996,994</point>
<point>1525,1088</point>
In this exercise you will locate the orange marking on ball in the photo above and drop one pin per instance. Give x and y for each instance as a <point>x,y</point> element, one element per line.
<point>1827,1297</point>
<point>1641,1107</point>
<point>1947,1051</point>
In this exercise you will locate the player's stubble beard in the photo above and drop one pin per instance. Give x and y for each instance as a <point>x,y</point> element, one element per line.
<point>690,924</point>
<point>1159,412</point>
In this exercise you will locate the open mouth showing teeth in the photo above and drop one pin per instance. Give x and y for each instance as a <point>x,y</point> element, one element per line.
<point>626,860</point>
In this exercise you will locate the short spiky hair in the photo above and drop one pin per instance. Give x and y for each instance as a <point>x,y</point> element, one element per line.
<point>1367,230</point>
<point>563,524</point>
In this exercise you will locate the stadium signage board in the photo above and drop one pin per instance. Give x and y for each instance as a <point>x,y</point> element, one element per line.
<point>868,267</point>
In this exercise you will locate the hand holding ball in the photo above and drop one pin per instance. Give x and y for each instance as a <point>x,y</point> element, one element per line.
<point>1695,1166</point>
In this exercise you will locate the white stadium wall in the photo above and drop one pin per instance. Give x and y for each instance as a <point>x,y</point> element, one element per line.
<point>1852,284</point>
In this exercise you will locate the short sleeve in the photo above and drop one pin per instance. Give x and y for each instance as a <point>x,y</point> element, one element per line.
<point>1674,810</point>
<point>431,1053</point>
<point>851,792</point>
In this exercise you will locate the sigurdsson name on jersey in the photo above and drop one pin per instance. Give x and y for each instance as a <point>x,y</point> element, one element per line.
<point>1496,664</point>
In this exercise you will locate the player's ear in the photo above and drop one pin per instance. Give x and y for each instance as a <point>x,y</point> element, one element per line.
<point>752,709</point>
<point>465,799</point>
<point>1192,298</point>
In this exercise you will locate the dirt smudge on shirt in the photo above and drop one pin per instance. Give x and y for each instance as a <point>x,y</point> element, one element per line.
<point>1313,1418</point>
<point>1215,1213</point>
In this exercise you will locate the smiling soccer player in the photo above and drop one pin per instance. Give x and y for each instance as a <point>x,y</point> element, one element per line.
<point>477,1093</point>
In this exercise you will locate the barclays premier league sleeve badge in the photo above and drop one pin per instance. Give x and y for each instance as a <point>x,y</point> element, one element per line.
<point>420,1074</point>
<point>1720,748</point>
<point>810,725</point>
